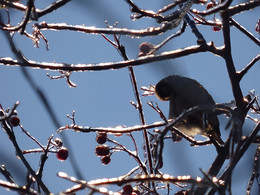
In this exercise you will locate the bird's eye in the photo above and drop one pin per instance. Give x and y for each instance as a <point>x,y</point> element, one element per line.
<point>163,91</point>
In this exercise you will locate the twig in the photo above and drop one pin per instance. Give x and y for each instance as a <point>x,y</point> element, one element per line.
<point>255,172</point>
<point>222,6</point>
<point>81,185</point>
<point>44,157</point>
<point>52,7</point>
<point>39,12</point>
<point>121,50</point>
<point>151,31</point>
<point>237,9</point>
<point>171,6</point>
<point>31,137</point>
<point>118,129</point>
<point>133,154</point>
<point>178,33</point>
<point>245,31</point>
<point>142,12</point>
<point>15,187</point>
<point>242,73</point>
<point>6,173</point>
<point>156,177</point>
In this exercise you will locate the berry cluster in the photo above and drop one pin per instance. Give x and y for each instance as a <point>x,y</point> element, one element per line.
<point>218,26</point>
<point>62,152</point>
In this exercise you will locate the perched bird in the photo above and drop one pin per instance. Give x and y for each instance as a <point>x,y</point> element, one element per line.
<point>184,93</point>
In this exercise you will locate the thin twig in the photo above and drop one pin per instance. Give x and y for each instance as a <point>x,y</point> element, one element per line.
<point>16,188</point>
<point>255,171</point>
<point>81,185</point>
<point>31,137</point>
<point>245,31</point>
<point>122,51</point>
<point>44,157</point>
<point>86,129</point>
<point>133,154</point>
<point>242,73</point>
<point>6,174</point>
<point>171,6</point>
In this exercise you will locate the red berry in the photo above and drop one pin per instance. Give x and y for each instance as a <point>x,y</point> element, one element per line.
<point>14,121</point>
<point>101,138</point>
<point>127,190</point>
<point>145,47</point>
<point>102,150</point>
<point>105,160</point>
<point>216,28</point>
<point>62,154</point>
<point>59,142</point>
<point>209,5</point>
<point>176,137</point>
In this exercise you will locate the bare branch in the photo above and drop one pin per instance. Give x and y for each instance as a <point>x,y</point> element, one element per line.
<point>243,7</point>
<point>151,31</point>
<point>116,65</point>
<point>230,64</point>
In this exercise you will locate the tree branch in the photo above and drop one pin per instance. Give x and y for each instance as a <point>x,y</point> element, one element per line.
<point>210,47</point>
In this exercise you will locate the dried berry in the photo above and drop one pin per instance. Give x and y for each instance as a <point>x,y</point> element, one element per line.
<point>14,121</point>
<point>209,5</point>
<point>101,138</point>
<point>145,48</point>
<point>62,154</point>
<point>218,25</point>
<point>216,28</point>
<point>176,137</point>
<point>127,190</point>
<point>58,142</point>
<point>102,150</point>
<point>105,160</point>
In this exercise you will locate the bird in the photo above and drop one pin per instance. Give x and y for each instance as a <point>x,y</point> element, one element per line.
<point>183,94</point>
